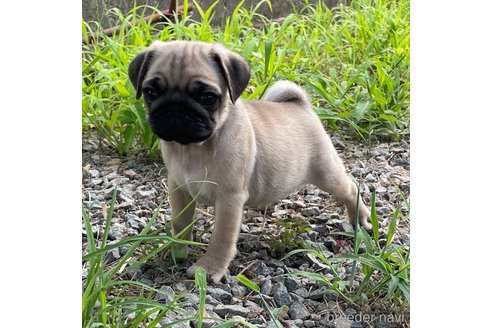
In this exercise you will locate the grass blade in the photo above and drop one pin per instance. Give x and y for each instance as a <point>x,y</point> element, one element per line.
<point>201,283</point>
<point>248,283</point>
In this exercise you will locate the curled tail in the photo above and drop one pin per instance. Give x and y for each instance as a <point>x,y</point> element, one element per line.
<point>286,91</point>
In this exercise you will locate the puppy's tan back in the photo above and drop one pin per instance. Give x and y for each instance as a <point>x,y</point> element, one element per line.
<point>283,124</point>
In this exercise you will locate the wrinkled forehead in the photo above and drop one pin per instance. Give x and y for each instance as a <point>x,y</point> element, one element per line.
<point>181,64</point>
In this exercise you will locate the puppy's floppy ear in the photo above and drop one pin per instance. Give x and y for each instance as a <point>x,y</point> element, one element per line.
<point>233,68</point>
<point>138,69</point>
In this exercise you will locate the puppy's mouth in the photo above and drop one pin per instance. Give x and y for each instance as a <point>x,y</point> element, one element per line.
<point>182,125</point>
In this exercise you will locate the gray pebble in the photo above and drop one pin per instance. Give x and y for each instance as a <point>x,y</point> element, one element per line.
<point>334,216</point>
<point>116,231</point>
<point>296,298</point>
<point>207,323</point>
<point>132,224</point>
<point>295,323</point>
<point>125,205</point>
<point>245,228</point>
<point>312,199</point>
<point>316,264</point>
<point>279,214</point>
<point>279,279</point>
<point>147,193</point>
<point>250,304</point>
<point>261,269</point>
<point>291,283</point>
<point>383,210</point>
<point>342,322</point>
<point>130,173</point>
<point>279,271</point>
<point>331,244</point>
<point>131,232</point>
<point>310,211</point>
<point>287,203</point>
<point>350,311</point>
<point>94,173</point>
<point>112,256</point>
<point>118,181</point>
<point>309,323</point>
<point>280,295</point>
<point>324,194</point>
<point>95,204</point>
<point>219,294</point>
<point>346,226</point>
<point>130,216</point>
<point>229,279</point>
<point>179,287</point>
<point>171,317</point>
<point>298,204</point>
<point>152,205</point>
<point>223,310</point>
<point>266,288</point>
<point>123,249</point>
<point>320,229</point>
<point>89,146</point>
<point>210,300</point>
<point>239,291</point>
<point>380,151</point>
<point>298,311</point>
<point>257,321</point>
<point>317,294</point>
<point>302,292</point>
<point>274,263</point>
<point>381,190</point>
<point>97,181</point>
<point>337,143</point>
<point>271,324</point>
<point>405,239</point>
<point>167,296</point>
<point>192,298</point>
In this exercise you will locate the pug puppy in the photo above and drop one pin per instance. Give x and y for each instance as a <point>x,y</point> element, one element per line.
<point>227,152</point>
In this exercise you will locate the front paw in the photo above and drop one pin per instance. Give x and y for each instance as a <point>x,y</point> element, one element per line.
<point>364,218</point>
<point>215,269</point>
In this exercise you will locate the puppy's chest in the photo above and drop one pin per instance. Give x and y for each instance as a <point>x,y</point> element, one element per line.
<point>195,179</point>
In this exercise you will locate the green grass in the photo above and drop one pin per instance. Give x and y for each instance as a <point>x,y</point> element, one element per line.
<point>353,60</point>
<point>385,265</point>
<point>110,299</point>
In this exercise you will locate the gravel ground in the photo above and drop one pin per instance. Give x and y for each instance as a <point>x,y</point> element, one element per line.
<point>309,215</point>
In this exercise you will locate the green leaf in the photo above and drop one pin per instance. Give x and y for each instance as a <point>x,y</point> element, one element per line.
<point>129,134</point>
<point>201,282</point>
<point>367,241</point>
<point>268,54</point>
<point>361,109</point>
<point>248,283</point>
<point>374,219</point>
<point>126,116</point>
<point>122,90</point>
<point>392,226</point>
<point>405,289</point>
<point>388,117</point>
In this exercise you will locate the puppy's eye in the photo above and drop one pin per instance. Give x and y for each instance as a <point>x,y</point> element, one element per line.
<point>208,99</point>
<point>150,94</point>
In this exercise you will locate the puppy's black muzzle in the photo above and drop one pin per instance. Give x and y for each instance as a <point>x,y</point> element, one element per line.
<point>174,117</point>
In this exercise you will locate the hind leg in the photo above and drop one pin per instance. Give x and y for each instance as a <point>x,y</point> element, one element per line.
<point>330,175</point>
